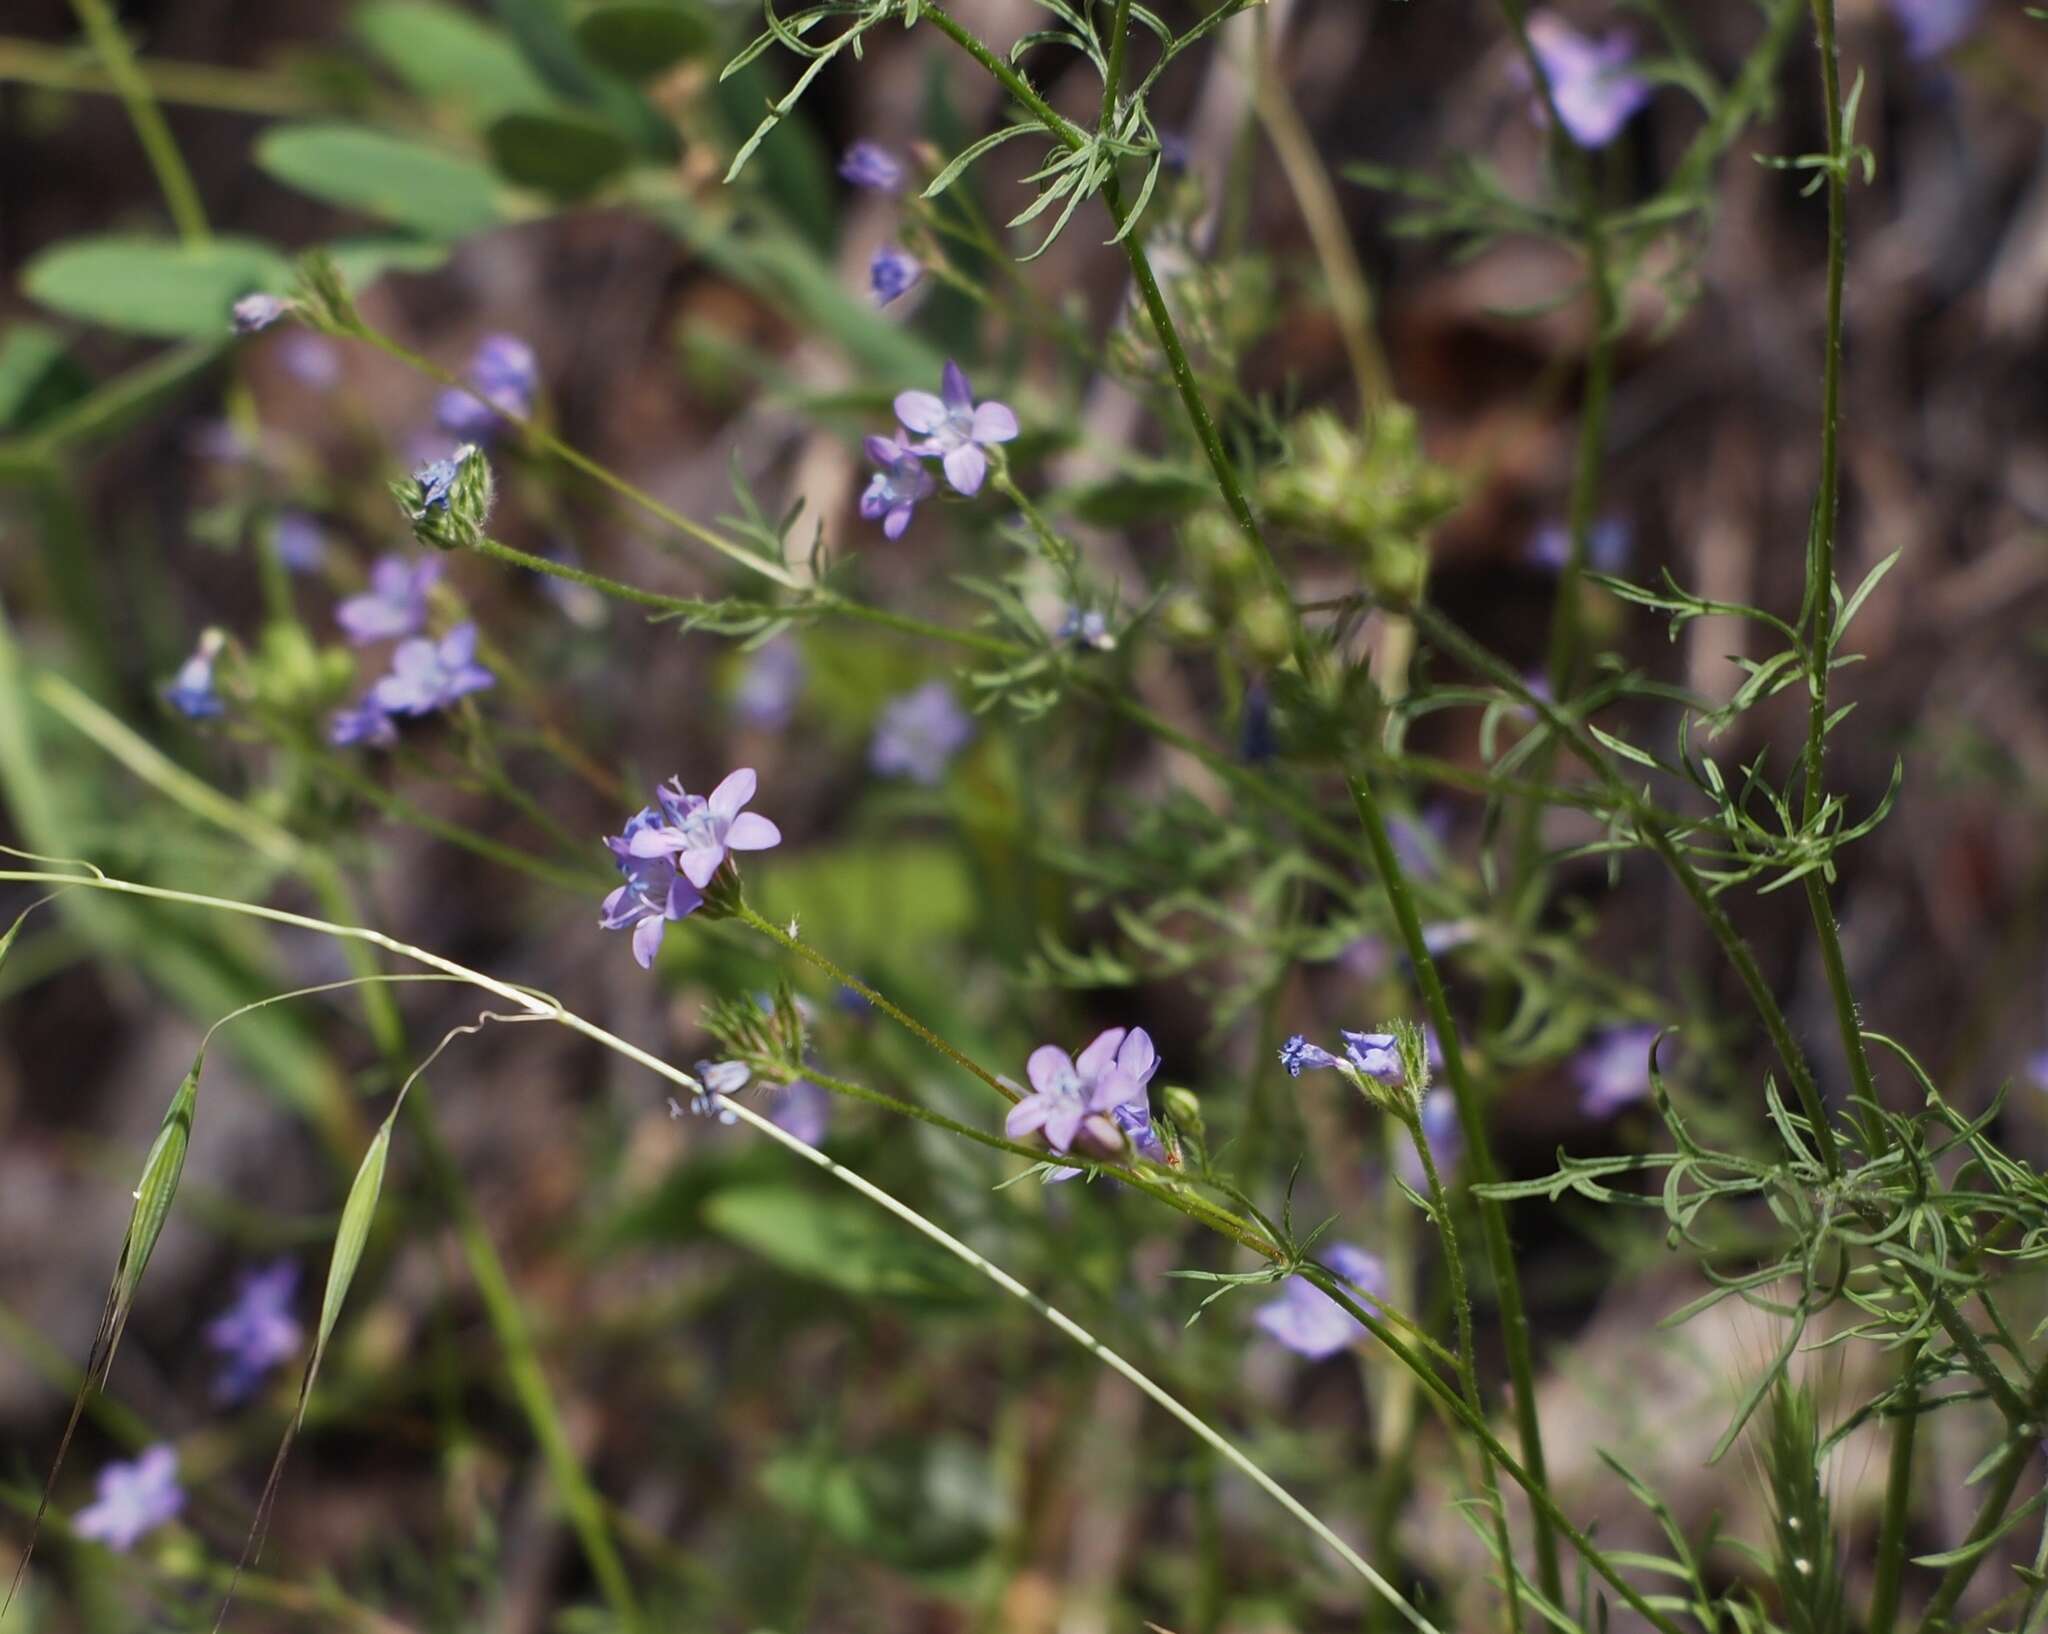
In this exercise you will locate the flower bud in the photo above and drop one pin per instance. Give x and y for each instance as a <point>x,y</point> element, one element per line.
<point>1185,1108</point>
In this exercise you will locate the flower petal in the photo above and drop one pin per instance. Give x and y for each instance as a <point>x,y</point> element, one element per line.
<point>655,842</point>
<point>731,796</point>
<point>919,411</point>
<point>1137,1059</point>
<point>1026,1117</point>
<point>1063,1123</point>
<point>966,467</point>
<point>1049,1068</point>
<point>699,865</point>
<point>647,939</point>
<point>1092,1062</point>
<point>894,524</point>
<point>684,898</point>
<point>751,831</point>
<point>953,387</point>
<point>995,423</point>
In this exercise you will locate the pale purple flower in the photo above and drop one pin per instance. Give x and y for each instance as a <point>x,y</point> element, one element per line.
<point>919,734</point>
<point>312,360</point>
<point>768,687</point>
<point>1086,628</point>
<point>1447,935</point>
<point>1931,27</point>
<point>394,605</point>
<point>1418,841</point>
<point>955,428</point>
<point>299,543</point>
<point>1073,1099</point>
<point>800,1108</point>
<point>698,833</point>
<point>132,1500</point>
<point>870,165</point>
<point>1136,1060</point>
<point>1365,960</point>
<point>1589,79</point>
<point>506,375</point>
<point>654,893</point>
<point>1613,1071</point>
<point>363,722</point>
<point>1446,1136</point>
<point>2037,1069</point>
<point>254,312</point>
<point>191,691</point>
<point>895,491</point>
<point>427,675</point>
<point>258,1332</point>
<point>893,272</point>
<point>1377,1055</point>
<point>1607,546</point>
<point>1298,1055</point>
<point>719,1078</point>
<point>1308,1321</point>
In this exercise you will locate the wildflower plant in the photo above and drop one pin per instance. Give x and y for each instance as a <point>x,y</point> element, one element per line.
<point>1240,776</point>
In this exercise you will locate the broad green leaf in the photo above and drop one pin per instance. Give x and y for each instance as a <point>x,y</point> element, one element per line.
<point>447,55</point>
<point>834,1241</point>
<point>637,41</point>
<point>396,179</point>
<point>563,155</point>
<point>153,286</point>
<point>38,377</point>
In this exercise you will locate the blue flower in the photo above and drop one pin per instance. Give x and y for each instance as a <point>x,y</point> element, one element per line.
<point>1256,742</point>
<point>363,722</point>
<point>697,833</point>
<point>132,1500</point>
<point>394,605</point>
<point>768,687</point>
<point>719,1078</point>
<point>1614,1070</point>
<point>1308,1321</point>
<point>1376,1055</point>
<point>653,895</point>
<point>311,360</point>
<point>1607,546</point>
<point>505,375</point>
<point>437,481</point>
<point>956,430</point>
<point>894,492</point>
<point>191,692</point>
<point>427,675</point>
<point>254,312</point>
<point>1074,1099</point>
<point>870,165</point>
<point>258,1332</point>
<point>919,734</point>
<point>1590,81</point>
<point>298,541</point>
<point>893,272</point>
<point>800,1108</point>
<point>1086,628</point>
<point>1932,26</point>
<point>1298,1055</point>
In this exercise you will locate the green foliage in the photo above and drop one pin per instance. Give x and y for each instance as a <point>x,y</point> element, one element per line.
<point>410,183</point>
<point>147,286</point>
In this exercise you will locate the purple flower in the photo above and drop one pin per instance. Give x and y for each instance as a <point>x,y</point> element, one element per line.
<point>1607,546</point>
<point>1418,841</point>
<point>800,1108</point>
<point>1589,79</point>
<point>132,1499</point>
<point>1377,1055</point>
<point>437,480</point>
<point>768,688</point>
<point>1074,1099</point>
<point>919,733</point>
<point>1932,26</point>
<point>299,543</point>
<point>505,375</point>
<point>654,893</point>
<point>718,1078</point>
<point>1086,628</point>
<point>2037,1069</point>
<point>427,675</point>
<point>870,165</point>
<point>1447,935</point>
<point>191,691</point>
<point>1298,1055</point>
<point>312,360</point>
<point>893,272</point>
<point>254,312</point>
<point>894,492</point>
<point>955,428</point>
<point>1614,1070</point>
<point>394,605</point>
<point>1365,960</point>
<point>257,1332</point>
<point>1308,1321</point>
<point>698,833</point>
<point>1446,1137</point>
<point>361,723</point>
<point>1136,1061</point>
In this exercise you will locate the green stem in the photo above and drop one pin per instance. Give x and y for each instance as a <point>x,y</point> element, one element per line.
<point>1820,575</point>
<point>1898,1503</point>
<point>175,181</point>
<point>1113,80</point>
<point>194,84</point>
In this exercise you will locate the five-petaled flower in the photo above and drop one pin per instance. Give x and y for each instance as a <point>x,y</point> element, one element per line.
<point>894,492</point>
<point>394,605</point>
<point>132,1499</point>
<point>870,165</point>
<point>1589,79</point>
<point>427,675</point>
<point>1308,1321</point>
<point>1074,1099</point>
<point>653,893</point>
<point>1614,1070</point>
<point>919,734</point>
<point>697,832</point>
<point>191,692</point>
<point>893,272</point>
<point>955,428</point>
<point>257,1332</point>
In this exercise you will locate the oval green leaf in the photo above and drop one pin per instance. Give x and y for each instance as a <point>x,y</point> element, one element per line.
<point>433,192</point>
<point>637,41</point>
<point>559,154</point>
<point>154,286</point>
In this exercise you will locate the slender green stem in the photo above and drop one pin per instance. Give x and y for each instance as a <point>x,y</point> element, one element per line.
<point>1898,1502</point>
<point>175,181</point>
<point>194,84</point>
<point>1820,572</point>
<point>1113,80</point>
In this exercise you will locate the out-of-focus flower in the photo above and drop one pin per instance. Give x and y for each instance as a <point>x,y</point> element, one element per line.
<point>257,1332</point>
<point>1308,1321</point>
<point>1418,841</point>
<point>2037,1069</point>
<point>1446,1136</point>
<point>1447,934</point>
<point>1298,1055</point>
<point>718,1078</point>
<point>894,492</point>
<point>427,675</point>
<point>191,691</point>
<point>132,1500</point>
<point>1590,81</point>
<point>505,375</point>
<point>394,605</point>
<point>1086,627</point>
<point>254,312</point>
<point>1377,1055</point>
<point>1931,27</point>
<point>299,543</point>
<point>697,833</point>
<point>919,734</point>
<point>800,1108</point>
<point>1607,546</point>
<point>312,360</point>
<point>1613,1071</point>
<point>893,272</point>
<point>870,165</point>
<point>768,687</point>
<point>653,894</point>
<point>955,428</point>
<point>1073,1098</point>
<point>1366,959</point>
<point>1256,743</point>
<point>363,722</point>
